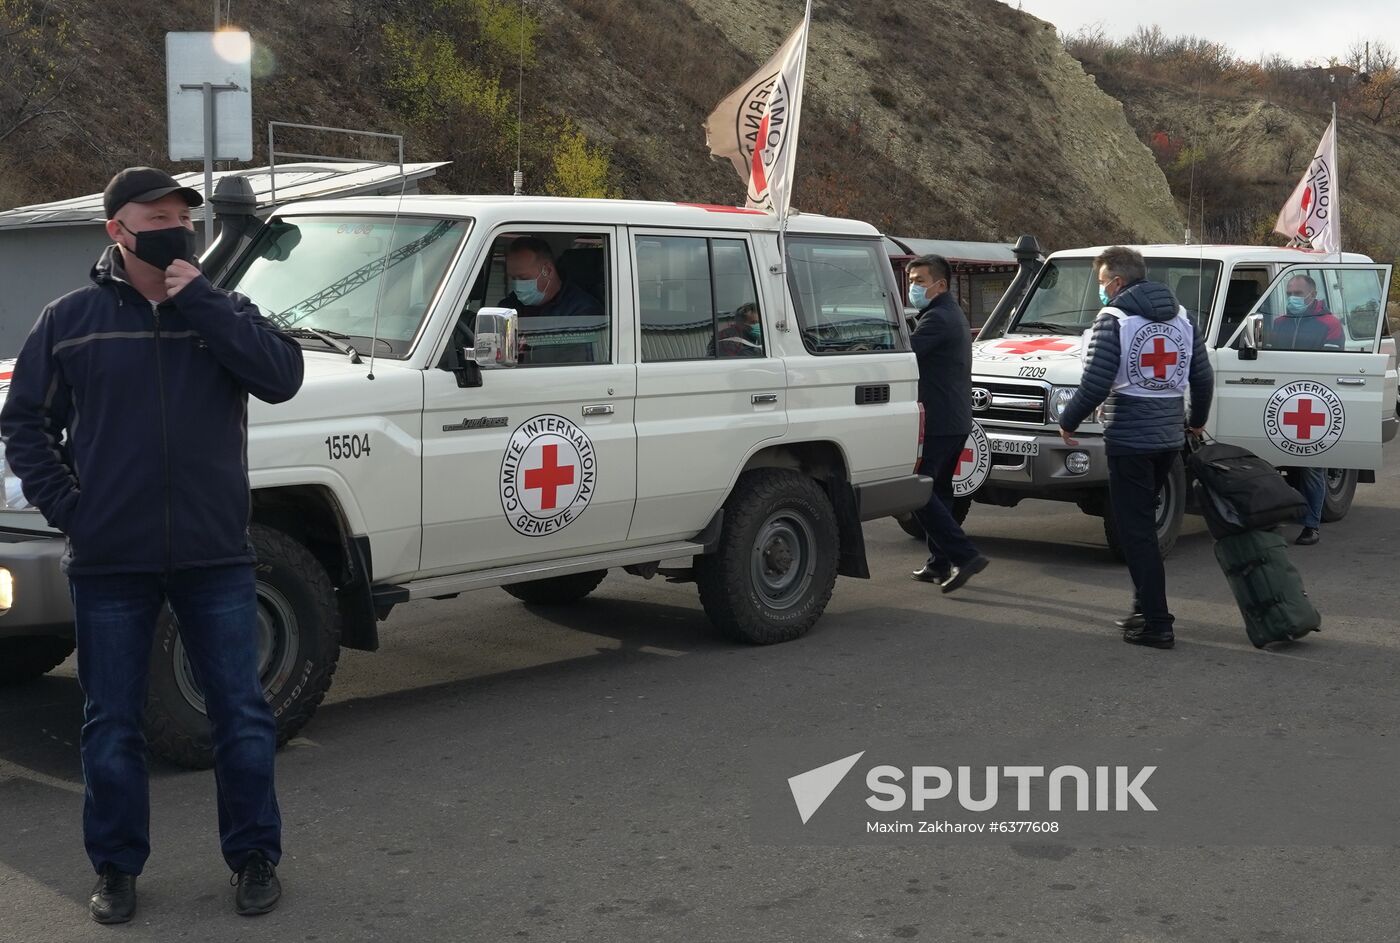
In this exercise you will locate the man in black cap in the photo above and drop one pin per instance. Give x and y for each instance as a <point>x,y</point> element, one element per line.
<point>126,421</point>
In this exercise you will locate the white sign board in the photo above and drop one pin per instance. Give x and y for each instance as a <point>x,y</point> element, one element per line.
<point>225,61</point>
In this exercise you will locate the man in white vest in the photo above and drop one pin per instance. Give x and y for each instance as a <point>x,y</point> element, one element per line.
<point>1143,355</point>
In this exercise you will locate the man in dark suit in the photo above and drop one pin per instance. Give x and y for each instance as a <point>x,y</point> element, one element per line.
<point>943,344</point>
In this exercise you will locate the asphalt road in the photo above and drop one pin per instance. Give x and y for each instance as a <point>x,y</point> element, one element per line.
<point>499,774</point>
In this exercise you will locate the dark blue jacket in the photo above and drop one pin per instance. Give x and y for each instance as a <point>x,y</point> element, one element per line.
<point>127,422</point>
<point>943,345</point>
<point>1138,423</point>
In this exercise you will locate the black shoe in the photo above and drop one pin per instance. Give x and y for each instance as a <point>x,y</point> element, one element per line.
<point>1308,537</point>
<point>258,887</point>
<point>928,573</point>
<point>114,898</point>
<point>961,574</point>
<point>1152,638</point>
<point>1135,621</point>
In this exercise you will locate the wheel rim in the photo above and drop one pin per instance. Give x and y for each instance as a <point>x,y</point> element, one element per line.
<point>782,559</point>
<point>277,637</point>
<point>1336,481</point>
<point>1165,510</point>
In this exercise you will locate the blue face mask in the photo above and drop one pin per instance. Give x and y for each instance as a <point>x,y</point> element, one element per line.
<point>1104,299</point>
<point>755,332</point>
<point>1296,305</point>
<point>527,290</point>
<point>918,296</point>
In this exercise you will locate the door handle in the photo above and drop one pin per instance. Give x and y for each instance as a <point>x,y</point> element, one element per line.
<point>603,410</point>
<point>764,398</point>
<point>1352,381</point>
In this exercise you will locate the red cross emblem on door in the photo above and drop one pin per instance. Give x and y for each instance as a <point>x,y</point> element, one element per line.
<point>1158,359</point>
<point>1303,419</point>
<point>1036,345</point>
<point>549,478</point>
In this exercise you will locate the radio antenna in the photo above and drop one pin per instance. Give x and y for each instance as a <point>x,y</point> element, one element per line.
<point>518,178</point>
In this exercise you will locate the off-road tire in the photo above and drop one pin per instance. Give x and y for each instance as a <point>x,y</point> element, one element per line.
<point>1341,491</point>
<point>771,576</point>
<point>557,590</point>
<point>299,632</point>
<point>1169,517</point>
<point>27,657</point>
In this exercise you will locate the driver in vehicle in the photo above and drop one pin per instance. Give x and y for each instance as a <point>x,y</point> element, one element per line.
<point>538,288</point>
<point>1305,324</point>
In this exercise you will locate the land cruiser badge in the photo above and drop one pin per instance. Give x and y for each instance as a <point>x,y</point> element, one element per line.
<point>548,475</point>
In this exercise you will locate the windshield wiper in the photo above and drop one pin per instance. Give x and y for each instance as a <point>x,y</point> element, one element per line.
<point>1047,327</point>
<point>327,338</point>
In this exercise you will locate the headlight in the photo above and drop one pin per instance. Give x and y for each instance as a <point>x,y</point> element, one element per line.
<point>1059,399</point>
<point>13,498</point>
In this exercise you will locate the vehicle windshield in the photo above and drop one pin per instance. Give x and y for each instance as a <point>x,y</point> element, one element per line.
<point>1065,298</point>
<point>320,275</point>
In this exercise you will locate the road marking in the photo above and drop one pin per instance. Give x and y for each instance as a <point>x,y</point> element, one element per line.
<point>10,770</point>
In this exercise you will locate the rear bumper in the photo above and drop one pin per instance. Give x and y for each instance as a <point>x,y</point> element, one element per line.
<point>1389,427</point>
<point>41,604</point>
<point>892,496</point>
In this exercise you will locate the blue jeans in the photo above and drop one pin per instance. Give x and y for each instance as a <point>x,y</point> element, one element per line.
<point>116,620</point>
<point>1313,487</point>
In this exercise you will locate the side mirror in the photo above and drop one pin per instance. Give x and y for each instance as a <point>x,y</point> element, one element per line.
<point>497,343</point>
<point>1252,337</point>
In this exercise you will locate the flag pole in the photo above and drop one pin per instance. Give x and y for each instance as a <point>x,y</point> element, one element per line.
<point>1337,190</point>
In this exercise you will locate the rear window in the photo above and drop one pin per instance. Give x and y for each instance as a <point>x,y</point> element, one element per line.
<point>844,293</point>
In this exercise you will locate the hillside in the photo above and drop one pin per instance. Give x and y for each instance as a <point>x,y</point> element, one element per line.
<point>1247,154</point>
<point>944,118</point>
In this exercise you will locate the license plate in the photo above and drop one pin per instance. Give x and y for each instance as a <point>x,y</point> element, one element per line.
<point>1013,446</point>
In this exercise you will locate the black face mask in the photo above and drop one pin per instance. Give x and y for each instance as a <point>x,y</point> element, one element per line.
<point>160,247</point>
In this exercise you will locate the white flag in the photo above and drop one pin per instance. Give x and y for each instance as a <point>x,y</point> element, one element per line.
<point>1313,213</point>
<point>756,126</point>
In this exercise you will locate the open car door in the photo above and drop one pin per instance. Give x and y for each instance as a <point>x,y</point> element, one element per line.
<point>1303,382</point>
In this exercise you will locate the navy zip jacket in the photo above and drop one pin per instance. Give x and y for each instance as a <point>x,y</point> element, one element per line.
<point>127,422</point>
<point>942,343</point>
<point>1136,424</point>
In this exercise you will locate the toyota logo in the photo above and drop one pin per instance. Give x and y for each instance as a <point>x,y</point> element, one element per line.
<point>981,399</point>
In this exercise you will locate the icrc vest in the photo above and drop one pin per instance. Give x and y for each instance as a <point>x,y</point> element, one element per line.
<point>1156,355</point>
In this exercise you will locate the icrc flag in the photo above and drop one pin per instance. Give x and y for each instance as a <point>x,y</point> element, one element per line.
<point>756,126</point>
<point>1313,213</point>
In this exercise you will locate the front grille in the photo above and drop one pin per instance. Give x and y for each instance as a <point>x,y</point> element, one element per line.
<point>1012,402</point>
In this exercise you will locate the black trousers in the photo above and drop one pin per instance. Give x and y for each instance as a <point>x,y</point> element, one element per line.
<point>947,544</point>
<point>1134,482</point>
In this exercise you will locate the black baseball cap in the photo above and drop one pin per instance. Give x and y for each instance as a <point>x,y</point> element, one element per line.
<point>142,185</point>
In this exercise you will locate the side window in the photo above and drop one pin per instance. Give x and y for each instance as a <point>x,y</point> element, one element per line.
<point>558,283</point>
<point>1324,309</point>
<point>843,294</point>
<point>697,299</point>
<point>1245,288</point>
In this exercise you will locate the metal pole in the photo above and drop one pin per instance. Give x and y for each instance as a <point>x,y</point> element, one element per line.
<point>1337,179</point>
<point>208,165</point>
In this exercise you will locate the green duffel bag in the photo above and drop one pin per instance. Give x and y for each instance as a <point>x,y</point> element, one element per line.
<point>1267,587</point>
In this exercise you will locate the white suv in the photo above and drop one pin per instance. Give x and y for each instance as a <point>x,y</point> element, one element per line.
<point>1326,404</point>
<point>442,443</point>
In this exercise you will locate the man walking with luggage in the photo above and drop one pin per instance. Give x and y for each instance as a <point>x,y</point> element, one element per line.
<point>943,345</point>
<point>127,422</point>
<point>1142,356</point>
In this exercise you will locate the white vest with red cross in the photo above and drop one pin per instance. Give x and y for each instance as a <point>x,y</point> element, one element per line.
<point>1156,355</point>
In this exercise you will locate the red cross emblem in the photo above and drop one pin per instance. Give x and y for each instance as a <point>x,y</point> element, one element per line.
<point>1036,344</point>
<point>549,478</point>
<point>1304,419</point>
<point>964,458</point>
<point>1158,359</point>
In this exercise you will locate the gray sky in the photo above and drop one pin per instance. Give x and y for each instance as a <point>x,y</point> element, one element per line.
<point>1298,29</point>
